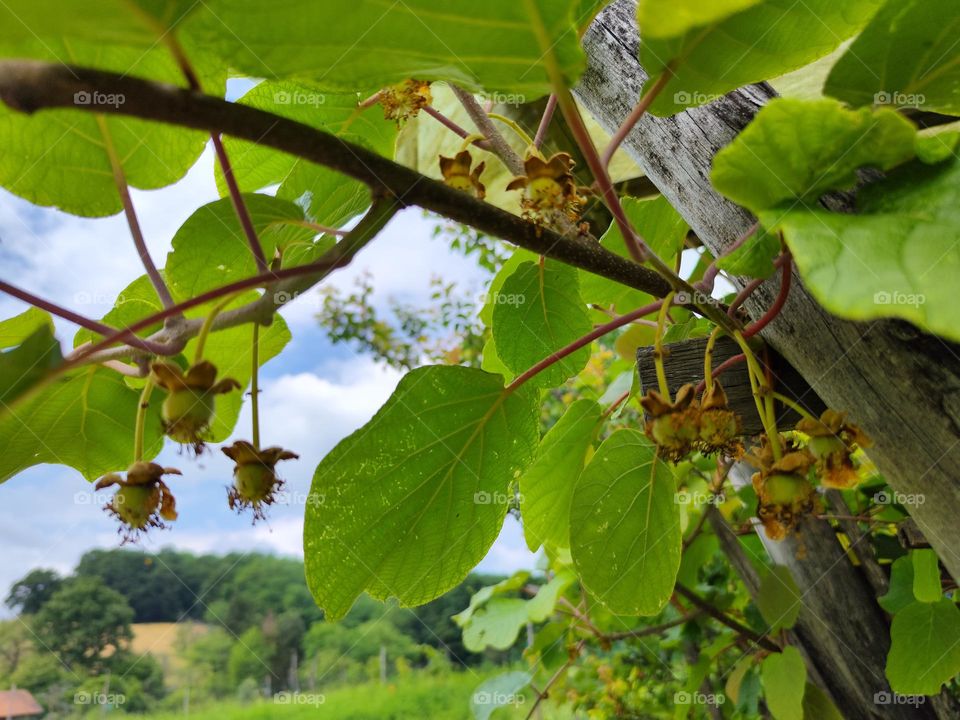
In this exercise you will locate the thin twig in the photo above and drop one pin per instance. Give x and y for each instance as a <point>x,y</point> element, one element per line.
<point>545,121</point>
<point>501,148</point>
<point>759,640</point>
<point>457,129</point>
<point>786,275</point>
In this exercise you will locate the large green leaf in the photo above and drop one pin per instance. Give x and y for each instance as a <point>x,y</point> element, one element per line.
<point>662,228</point>
<point>135,302</point>
<point>413,500</point>
<point>328,197</point>
<point>537,312</point>
<point>84,420</point>
<point>900,593</point>
<point>669,18</point>
<point>27,364</point>
<point>896,258</point>
<point>784,678</point>
<point>799,150</point>
<point>625,526</point>
<point>547,485</point>
<point>498,691</point>
<point>15,330</point>
<point>924,647</point>
<point>779,600</point>
<point>356,44</point>
<point>107,22</point>
<point>907,56</point>
<point>60,157</point>
<point>211,250</point>
<point>761,42</point>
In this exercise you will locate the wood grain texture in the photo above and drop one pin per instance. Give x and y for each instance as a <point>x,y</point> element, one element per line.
<point>902,386</point>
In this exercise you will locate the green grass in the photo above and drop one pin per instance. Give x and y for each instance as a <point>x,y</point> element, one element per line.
<point>407,698</point>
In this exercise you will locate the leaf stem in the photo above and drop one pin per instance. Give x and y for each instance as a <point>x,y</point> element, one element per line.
<point>545,121</point>
<point>795,406</point>
<point>208,324</point>
<point>757,381</point>
<point>123,189</point>
<point>519,131</point>
<point>255,386</point>
<point>786,276</point>
<point>141,419</point>
<point>658,347</point>
<point>81,320</point>
<point>475,139</point>
<point>236,197</point>
<point>708,359</point>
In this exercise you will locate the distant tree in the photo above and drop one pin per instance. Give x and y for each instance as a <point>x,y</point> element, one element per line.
<point>82,620</point>
<point>208,663</point>
<point>249,658</point>
<point>30,593</point>
<point>14,646</point>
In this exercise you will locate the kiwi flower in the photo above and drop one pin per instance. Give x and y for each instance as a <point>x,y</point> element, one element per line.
<point>785,494</point>
<point>719,426</point>
<point>405,100</point>
<point>187,410</point>
<point>255,482</point>
<point>833,441</point>
<point>142,499</point>
<point>549,188</point>
<point>673,426</point>
<point>458,175</point>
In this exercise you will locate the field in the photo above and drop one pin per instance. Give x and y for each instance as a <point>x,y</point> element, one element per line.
<point>160,640</point>
<point>413,697</point>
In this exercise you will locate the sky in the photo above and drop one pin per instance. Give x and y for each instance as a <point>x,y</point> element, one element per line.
<point>313,394</point>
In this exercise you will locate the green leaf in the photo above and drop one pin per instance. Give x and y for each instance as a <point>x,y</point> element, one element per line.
<point>669,18</point>
<point>538,312</point>
<point>907,56</point>
<point>328,197</point>
<point>26,365</point>
<point>496,625</point>
<point>547,485</point>
<point>60,158</point>
<point>357,44</point>
<point>84,420</point>
<point>797,150</point>
<point>494,289</point>
<point>754,258</point>
<point>135,302</point>
<point>413,500</point>
<point>779,599</point>
<point>896,258</point>
<point>817,705</point>
<point>924,652</point>
<point>498,691</point>
<point>900,593</point>
<point>211,250</point>
<point>784,677</point>
<point>482,596</point>
<point>625,526</point>
<point>107,22</point>
<point>926,576</point>
<point>15,330</point>
<point>761,42</point>
<point>664,231</point>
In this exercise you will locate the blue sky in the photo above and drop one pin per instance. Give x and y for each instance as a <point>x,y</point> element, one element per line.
<point>313,395</point>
